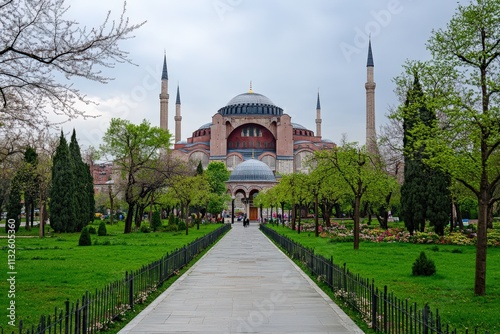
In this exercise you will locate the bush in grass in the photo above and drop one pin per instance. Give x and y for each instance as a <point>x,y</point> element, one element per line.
<point>156,221</point>
<point>85,238</point>
<point>171,220</point>
<point>92,230</point>
<point>171,228</point>
<point>145,228</point>
<point>423,266</point>
<point>181,225</point>
<point>102,229</point>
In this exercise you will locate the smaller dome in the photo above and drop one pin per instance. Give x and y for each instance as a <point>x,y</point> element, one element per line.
<point>298,126</point>
<point>252,170</point>
<point>205,126</point>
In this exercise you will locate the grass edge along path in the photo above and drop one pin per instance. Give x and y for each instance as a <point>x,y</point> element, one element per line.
<point>155,240</point>
<point>117,325</point>
<point>484,307</point>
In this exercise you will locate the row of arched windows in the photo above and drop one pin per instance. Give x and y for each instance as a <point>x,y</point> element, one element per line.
<point>250,144</point>
<point>251,109</point>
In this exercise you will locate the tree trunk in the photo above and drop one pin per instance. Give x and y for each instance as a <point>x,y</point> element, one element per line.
<point>128,220</point>
<point>481,245</point>
<point>300,218</point>
<point>33,214</point>
<point>42,221</point>
<point>357,207</point>
<point>316,215</point>
<point>294,209</point>
<point>27,211</point>
<point>111,205</point>
<point>282,213</point>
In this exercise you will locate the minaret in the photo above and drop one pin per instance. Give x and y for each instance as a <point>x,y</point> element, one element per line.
<point>371,137</point>
<point>178,117</point>
<point>318,118</point>
<point>164,96</point>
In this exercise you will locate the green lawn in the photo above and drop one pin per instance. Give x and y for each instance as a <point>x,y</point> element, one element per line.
<point>451,289</point>
<point>53,269</point>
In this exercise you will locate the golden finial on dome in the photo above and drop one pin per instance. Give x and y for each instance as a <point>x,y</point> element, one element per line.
<point>251,90</point>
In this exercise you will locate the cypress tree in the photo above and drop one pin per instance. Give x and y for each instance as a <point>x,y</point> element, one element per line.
<point>14,205</point>
<point>30,185</point>
<point>62,200</point>
<point>80,179</point>
<point>413,190</point>
<point>89,192</point>
<point>425,192</point>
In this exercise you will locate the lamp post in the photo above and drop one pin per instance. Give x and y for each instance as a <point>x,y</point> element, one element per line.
<point>232,209</point>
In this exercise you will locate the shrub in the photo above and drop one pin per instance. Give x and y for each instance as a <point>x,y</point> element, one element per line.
<point>156,221</point>
<point>171,219</point>
<point>423,266</point>
<point>171,228</point>
<point>102,229</point>
<point>181,225</point>
<point>92,230</point>
<point>85,238</point>
<point>145,227</point>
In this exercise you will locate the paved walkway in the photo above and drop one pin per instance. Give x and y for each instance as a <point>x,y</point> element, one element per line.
<point>244,284</point>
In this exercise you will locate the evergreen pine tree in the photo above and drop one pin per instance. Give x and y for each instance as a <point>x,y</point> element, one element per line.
<point>62,200</point>
<point>89,193</point>
<point>30,184</point>
<point>413,190</point>
<point>85,239</point>
<point>14,205</point>
<point>425,192</point>
<point>80,179</point>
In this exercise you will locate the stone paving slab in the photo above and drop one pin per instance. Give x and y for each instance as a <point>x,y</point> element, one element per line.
<point>244,284</point>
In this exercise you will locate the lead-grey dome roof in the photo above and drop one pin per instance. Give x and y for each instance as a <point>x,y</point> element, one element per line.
<point>249,98</point>
<point>252,170</point>
<point>250,103</point>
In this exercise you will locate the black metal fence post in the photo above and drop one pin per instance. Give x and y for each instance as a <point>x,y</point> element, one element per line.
<point>331,272</point>
<point>425,319</point>
<point>374,306</point>
<point>130,280</point>
<point>66,317</point>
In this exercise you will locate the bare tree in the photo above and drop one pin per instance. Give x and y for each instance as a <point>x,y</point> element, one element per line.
<point>38,46</point>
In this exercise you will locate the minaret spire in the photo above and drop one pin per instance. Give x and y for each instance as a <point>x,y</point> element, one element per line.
<point>178,117</point>
<point>369,62</point>
<point>371,137</point>
<point>164,96</point>
<point>164,73</point>
<point>318,117</point>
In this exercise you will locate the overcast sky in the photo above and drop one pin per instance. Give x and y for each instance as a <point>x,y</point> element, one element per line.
<point>288,49</point>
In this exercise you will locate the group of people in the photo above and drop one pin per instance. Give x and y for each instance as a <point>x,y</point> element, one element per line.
<point>246,221</point>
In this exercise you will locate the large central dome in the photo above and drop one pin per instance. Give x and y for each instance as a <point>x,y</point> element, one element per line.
<point>250,103</point>
<point>250,98</point>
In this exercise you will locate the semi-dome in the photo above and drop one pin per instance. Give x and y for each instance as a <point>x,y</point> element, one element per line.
<point>250,103</point>
<point>252,170</point>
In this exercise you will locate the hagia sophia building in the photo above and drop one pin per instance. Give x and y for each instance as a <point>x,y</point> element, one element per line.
<point>255,139</point>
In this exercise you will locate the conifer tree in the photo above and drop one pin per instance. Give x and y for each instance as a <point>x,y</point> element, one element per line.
<point>14,205</point>
<point>80,179</point>
<point>425,192</point>
<point>30,184</point>
<point>89,192</point>
<point>62,200</point>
